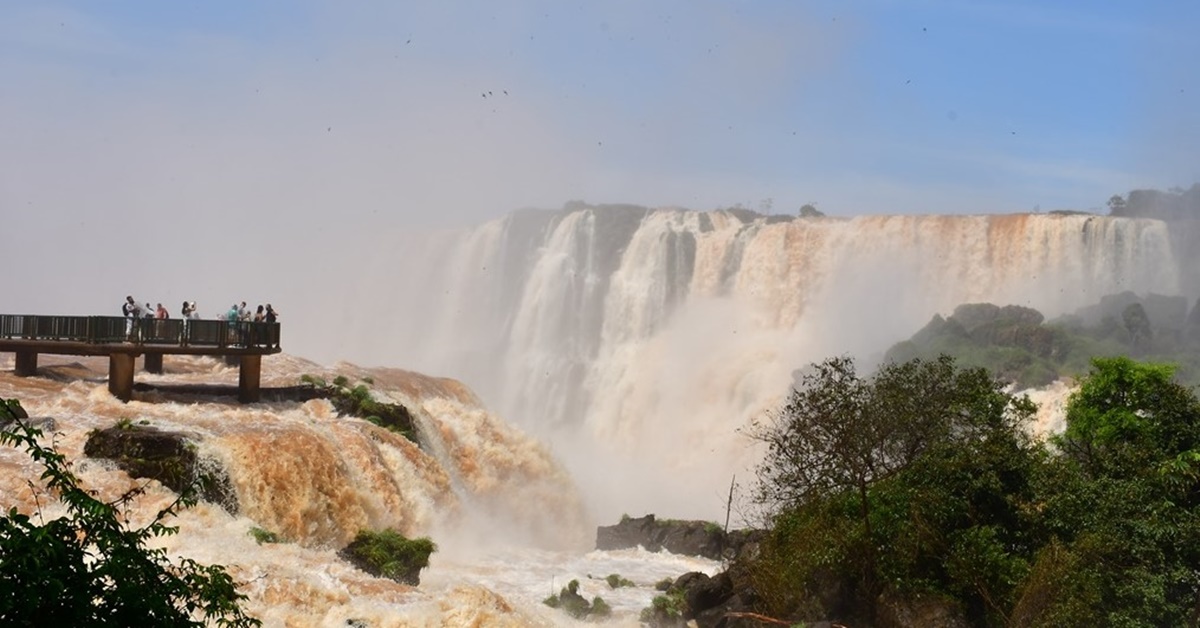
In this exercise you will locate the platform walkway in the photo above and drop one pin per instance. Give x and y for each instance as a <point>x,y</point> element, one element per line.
<point>124,339</point>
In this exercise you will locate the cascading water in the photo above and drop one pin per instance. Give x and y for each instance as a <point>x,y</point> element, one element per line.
<point>508,520</point>
<point>638,341</point>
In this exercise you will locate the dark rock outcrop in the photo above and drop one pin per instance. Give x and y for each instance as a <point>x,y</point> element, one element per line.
<point>917,611</point>
<point>169,457</point>
<point>709,602</point>
<point>693,538</point>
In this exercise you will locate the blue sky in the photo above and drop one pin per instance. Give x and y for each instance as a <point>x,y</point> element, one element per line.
<point>226,151</point>
<point>377,110</point>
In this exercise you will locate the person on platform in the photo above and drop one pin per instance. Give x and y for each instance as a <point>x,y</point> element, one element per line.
<point>132,312</point>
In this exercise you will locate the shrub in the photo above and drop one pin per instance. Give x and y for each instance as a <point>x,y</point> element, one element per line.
<point>665,610</point>
<point>392,417</point>
<point>615,581</point>
<point>575,605</point>
<point>263,536</point>
<point>390,554</point>
<point>312,380</point>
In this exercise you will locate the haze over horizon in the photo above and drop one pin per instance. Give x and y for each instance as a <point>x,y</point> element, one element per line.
<point>282,151</point>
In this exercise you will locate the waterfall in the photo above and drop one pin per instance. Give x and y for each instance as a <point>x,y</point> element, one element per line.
<point>651,336</point>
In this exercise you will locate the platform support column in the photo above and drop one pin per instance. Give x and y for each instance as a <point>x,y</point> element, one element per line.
<point>152,362</point>
<point>249,377</point>
<point>120,375</point>
<point>26,365</point>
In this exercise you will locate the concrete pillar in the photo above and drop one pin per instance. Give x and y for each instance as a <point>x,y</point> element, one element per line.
<point>152,362</point>
<point>26,365</point>
<point>120,375</point>
<point>249,377</point>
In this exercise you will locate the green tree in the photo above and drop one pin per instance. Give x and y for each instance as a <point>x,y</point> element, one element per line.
<point>1121,505</point>
<point>1127,419</point>
<point>88,569</point>
<point>1116,205</point>
<point>913,479</point>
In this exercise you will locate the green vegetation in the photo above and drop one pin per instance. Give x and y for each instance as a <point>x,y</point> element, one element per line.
<point>87,568</point>
<point>313,381</point>
<point>358,402</point>
<point>390,554</point>
<point>1017,345</point>
<point>264,536</point>
<point>577,606</point>
<point>922,483</point>
<point>665,610</point>
<point>615,581</point>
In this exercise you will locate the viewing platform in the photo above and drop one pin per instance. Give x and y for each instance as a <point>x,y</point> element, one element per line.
<point>124,339</point>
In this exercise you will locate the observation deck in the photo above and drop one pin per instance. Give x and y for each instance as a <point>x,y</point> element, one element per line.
<point>123,339</point>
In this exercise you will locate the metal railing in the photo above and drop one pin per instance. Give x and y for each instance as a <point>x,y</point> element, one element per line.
<point>162,331</point>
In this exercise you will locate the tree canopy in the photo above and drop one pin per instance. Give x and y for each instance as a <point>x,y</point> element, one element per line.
<point>921,486</point>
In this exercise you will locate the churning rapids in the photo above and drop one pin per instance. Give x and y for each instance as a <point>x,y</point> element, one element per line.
<point>509,523</point>
<point>627,345</point>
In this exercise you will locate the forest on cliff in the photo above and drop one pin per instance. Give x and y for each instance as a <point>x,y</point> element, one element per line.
<point>1021,347</point>
<point>917,496</point>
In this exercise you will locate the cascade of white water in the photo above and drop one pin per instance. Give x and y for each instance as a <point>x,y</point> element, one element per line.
<point>316,479</point>
<point>660,333</point>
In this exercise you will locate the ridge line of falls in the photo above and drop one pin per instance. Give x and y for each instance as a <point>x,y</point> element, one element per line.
<point>638,341</point>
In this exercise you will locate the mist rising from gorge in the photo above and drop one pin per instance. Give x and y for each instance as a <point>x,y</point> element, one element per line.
<point>639,341</point>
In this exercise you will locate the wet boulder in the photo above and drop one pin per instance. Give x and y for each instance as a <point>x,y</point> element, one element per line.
<point>693,538</point>
<point>169,457</point>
